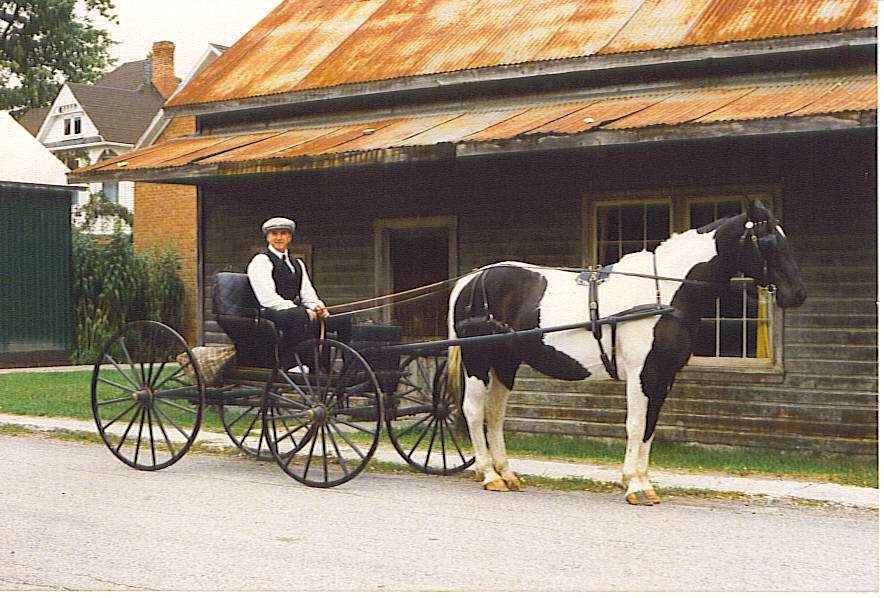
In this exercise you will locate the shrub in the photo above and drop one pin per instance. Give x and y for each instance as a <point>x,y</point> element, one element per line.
<point>113,284</point>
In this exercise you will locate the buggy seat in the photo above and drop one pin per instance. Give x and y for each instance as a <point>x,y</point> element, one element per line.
<point>237,311</point>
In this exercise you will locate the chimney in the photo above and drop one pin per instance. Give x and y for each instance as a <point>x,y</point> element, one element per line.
<point>163,68</point>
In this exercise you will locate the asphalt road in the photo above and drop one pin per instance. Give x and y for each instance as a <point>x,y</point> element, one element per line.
<point>72,517</point>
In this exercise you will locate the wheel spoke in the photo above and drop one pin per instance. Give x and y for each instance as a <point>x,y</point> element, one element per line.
<point>140,431</point>
<point>169,419</point>
<point>112,383</point>
<point>124,412</point>
<point>189,410</point>
<point>129,360</point>
<point>163,430</point>
<point>346,439</point>
<point>122,371</point>
<point>172,376</point>
<point>153,452</point>
<point>413,426</point>
<point>454,440</point>
<point>129,427</point>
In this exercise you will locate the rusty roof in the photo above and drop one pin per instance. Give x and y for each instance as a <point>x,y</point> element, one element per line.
<point>361,142</point>
<point>312,44</point>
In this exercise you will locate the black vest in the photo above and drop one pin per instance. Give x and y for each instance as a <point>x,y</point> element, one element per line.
<point>288,283</point>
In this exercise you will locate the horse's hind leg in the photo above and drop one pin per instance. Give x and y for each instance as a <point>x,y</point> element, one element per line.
<point>498,394</point>
<point>474,405</point>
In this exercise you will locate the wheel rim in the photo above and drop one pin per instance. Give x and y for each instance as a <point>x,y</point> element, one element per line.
<point>422,422</point>
<point>148,411</point>
<point>323,429</point>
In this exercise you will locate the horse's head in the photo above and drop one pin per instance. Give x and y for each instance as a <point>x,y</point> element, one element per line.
<point>766,257</point>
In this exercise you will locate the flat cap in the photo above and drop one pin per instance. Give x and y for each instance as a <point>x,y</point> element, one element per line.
<point>276,223</point>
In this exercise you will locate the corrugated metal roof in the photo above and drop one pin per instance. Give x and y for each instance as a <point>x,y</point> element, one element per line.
<point>310,44</point>
<point>704,106</point>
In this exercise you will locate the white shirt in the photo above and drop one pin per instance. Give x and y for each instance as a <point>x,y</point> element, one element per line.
<point>260,273</point>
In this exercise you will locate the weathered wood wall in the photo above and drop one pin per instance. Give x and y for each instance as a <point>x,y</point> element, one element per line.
<point>528,208</point>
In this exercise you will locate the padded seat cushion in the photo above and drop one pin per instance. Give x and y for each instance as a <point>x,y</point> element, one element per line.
<point>233,296</point>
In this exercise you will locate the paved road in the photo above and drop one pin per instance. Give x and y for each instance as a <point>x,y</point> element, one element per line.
<point>73,518</point>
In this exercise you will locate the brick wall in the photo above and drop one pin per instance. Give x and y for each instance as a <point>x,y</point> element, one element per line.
<point>167,214</point>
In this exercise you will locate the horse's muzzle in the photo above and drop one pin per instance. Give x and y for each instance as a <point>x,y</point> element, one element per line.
<point>791,297</point>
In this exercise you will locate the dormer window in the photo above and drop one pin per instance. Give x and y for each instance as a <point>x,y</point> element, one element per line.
<point>73,126</point>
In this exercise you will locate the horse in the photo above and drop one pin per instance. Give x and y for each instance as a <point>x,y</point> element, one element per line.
<point>681,276</point>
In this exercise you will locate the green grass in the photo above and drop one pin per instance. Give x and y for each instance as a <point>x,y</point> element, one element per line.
<point>67,394</point>
<point>840,469</point>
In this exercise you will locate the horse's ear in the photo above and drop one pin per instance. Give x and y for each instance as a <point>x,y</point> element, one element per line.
<point>757,212</point>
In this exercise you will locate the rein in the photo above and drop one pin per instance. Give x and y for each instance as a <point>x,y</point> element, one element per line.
<point>429,289</point>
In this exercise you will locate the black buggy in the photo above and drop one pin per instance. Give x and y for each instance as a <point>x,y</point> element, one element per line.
<point>321,421</point>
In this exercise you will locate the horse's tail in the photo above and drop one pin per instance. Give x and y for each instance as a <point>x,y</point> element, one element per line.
<point>454,372</point>
<point>454,375</point>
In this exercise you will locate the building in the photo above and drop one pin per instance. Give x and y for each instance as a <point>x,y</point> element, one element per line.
<point>414,142</point>
<point>36,309</point>
<point>87,123</point>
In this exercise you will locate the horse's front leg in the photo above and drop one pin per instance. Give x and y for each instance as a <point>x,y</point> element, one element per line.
<point>498,394</point>
<point>474,404</point>
<point>639,490</point>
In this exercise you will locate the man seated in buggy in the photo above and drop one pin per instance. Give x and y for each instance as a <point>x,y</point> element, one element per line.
<point>286,295</point>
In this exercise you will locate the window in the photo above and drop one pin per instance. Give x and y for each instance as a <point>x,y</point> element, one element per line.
<point>737,329</point>
<point>111,191</point>
<point>73,126</point>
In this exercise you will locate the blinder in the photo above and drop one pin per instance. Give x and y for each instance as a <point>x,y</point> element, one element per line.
<point>757,252</point>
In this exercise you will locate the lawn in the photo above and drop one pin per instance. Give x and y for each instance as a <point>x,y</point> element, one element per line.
<point>67,394</point>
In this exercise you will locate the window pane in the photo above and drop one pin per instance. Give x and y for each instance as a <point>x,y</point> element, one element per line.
<point>702,214</point>
<point>609,253</point>
<point>608,223</point>
<point>658,222</point>
<point>632,222</point>
<point>111,191</point>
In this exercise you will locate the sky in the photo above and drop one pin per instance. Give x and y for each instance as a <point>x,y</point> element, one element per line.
<point>190,24</point>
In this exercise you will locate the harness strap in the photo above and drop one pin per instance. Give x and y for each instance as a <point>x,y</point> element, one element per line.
<point>610,362</point>
<point>596,327</point>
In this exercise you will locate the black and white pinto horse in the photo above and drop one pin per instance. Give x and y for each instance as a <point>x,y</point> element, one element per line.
<point>689,270</point>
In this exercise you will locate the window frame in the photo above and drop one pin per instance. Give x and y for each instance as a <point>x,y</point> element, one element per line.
<point>680,200</point>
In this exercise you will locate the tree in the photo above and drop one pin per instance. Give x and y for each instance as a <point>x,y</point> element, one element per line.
<point>46,42</point>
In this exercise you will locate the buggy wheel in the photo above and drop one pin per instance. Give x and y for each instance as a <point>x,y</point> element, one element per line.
<point>323,426</point>
<point>147,396</point>
<point>243,422</point>
<point>423,420</point>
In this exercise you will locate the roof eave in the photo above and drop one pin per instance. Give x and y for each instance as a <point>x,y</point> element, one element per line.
<point>193,174</point>
<point>776,49</point>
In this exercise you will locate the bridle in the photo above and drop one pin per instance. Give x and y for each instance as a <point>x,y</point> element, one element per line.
<point>758,251</point>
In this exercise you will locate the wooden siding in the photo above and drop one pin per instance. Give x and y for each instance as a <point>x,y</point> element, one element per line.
<point>528,208</point>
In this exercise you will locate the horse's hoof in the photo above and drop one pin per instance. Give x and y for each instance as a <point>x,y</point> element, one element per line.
<point>653,496</point>
<point>640,498</point>
<point>515,485</point>
<point>497,485</point>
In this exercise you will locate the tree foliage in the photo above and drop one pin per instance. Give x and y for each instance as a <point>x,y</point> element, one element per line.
<point>99,206</point>
<point>46,42</point>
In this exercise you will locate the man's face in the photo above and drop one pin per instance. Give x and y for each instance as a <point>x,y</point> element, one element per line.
<point>279,239</point>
